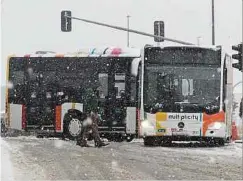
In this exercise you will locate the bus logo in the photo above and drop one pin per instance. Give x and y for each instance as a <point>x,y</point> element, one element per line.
<point>181,125</point>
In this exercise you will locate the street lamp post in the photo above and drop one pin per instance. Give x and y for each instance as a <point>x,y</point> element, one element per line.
<point>242,66</point>
<point>213,28</point>
<point>198,40</point>
<point>128,23</point>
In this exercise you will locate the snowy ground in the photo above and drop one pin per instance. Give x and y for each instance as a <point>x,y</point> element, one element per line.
<point>30,158</point>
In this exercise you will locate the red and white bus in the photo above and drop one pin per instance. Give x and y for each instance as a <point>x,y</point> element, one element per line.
<point>186,94</point>
<point>48,92</point>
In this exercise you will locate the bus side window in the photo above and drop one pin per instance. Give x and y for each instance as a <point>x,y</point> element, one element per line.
<point>119,84</point>
<point>103,87</point>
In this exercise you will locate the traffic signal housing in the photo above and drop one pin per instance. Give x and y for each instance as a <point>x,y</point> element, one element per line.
<point>159,30</point>
<point>238,56</point>
<point>66,23</point>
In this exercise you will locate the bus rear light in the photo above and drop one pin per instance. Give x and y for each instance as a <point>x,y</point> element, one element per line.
<point>23,117</point>
<point>58,113</point>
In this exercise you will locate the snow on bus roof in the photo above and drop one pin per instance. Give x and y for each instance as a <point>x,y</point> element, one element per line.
<point>106,51</point>
<point>91,52</point>
<point>212,47</point>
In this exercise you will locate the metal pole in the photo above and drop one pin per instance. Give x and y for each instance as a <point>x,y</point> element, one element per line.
<point>158,43</point>
<point>130,30</point>
<point>198,40</point>
<point>242,60</point>
<point>213,31</point>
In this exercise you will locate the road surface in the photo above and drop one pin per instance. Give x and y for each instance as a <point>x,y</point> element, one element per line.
<point>30,158</point>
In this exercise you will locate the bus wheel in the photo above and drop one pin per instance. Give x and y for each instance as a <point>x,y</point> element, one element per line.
<point>119,138</point>
<point>72,126</point>
<point>129,138</point>
<point>220,142</point>
<point>149,141</point>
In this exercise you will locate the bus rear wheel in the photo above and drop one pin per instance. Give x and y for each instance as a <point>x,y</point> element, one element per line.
<point>72,126</point>
<point>129,138</point>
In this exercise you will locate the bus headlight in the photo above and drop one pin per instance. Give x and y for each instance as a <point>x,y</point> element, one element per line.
<point>146,124</point>
<point>216,125</point>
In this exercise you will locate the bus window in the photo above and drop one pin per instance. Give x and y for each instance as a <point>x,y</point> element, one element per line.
<point>103,87</point>
<point>187,87</point>
<point>119,83</point>
<point>16,79</point>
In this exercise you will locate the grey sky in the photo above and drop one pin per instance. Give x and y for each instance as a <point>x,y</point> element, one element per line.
<point>184,20</point>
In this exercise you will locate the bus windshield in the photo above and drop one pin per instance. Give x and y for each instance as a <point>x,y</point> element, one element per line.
<point>172,84</point>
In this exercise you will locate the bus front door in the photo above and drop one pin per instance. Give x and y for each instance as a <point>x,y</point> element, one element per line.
<point>113,103</point>
<point>40,99</point>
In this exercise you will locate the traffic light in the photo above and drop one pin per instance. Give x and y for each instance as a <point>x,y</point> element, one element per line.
<point>66,23</point>
<point>238,56</point>
<point>159,30</point>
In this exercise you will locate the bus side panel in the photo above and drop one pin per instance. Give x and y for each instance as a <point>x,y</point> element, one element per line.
<point>16,116</point>
<point>131,120</point>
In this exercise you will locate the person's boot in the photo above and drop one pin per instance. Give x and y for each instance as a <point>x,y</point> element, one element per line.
<point>82,144</point>
<point>100,144</point>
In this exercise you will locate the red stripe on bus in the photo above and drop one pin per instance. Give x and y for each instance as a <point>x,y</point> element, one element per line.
<point>58,118</point>
<point>23,117</point>
<point>139,122</point>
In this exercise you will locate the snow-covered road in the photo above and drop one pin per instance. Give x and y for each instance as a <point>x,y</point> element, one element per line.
<point>30,158</point>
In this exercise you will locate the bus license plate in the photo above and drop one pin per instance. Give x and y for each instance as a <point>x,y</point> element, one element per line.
<point>179,132</point>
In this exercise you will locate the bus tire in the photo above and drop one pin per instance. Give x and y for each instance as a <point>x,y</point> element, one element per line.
<point>72,126</point>
<point>220,142</point>
<point>119,138</point>
<point>129,138</point>
<point>149,141</point>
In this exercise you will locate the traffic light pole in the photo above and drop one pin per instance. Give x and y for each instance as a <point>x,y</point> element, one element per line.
<point>130,30</point>
<point>242,63</point>
<point>213,26</point>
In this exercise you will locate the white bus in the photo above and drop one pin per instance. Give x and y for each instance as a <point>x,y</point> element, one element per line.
<point>48,92</point>
<point>185,94</point>
<point>172,93</point>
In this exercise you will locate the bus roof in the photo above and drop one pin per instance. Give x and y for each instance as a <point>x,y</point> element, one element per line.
<point>215,48</point>
<point>107,51</point>
<point>92,52</point>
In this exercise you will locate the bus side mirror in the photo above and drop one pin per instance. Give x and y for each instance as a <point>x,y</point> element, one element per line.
<point>134,66</point>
